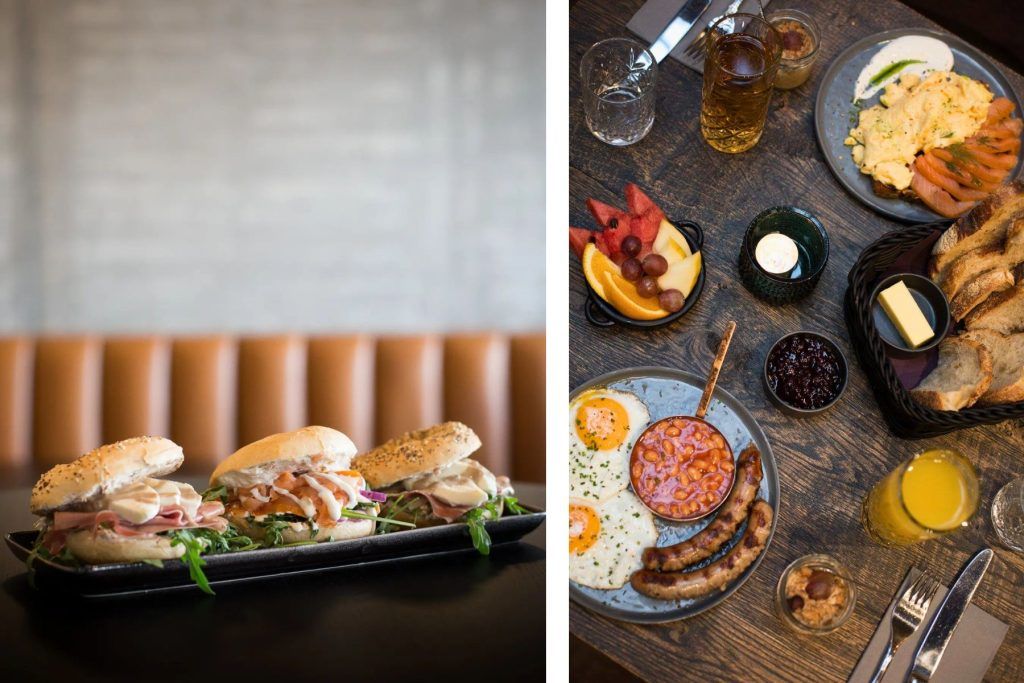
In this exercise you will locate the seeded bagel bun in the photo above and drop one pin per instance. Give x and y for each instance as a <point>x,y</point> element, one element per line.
<point>416,453</point>
<point>103,471</point>
<point>107,546</point>
<point>262,461</point>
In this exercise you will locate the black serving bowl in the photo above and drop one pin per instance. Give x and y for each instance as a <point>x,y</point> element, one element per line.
<point>803,228</point>
<point>929,298</point>
<point>601,313</point>
<point>789,409</point>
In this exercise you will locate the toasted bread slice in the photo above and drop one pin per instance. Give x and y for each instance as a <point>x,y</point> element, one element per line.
<point>1001,312</point>
<point>977,290</point>
<point>985,226</point>
<point>963,374</point>
<point>983,259</point>
<point>1007,352</point>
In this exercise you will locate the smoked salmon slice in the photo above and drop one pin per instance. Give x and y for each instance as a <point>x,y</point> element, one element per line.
<point>951,180</point>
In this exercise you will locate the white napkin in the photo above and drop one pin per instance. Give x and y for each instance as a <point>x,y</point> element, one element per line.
<point>968,655</point>
<point>651,19</point>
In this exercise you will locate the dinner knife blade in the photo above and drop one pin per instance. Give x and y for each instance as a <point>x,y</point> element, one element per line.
<point>677,28</point>
<point>947,617</point>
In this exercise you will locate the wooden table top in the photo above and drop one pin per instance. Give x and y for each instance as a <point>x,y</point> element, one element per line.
<point>827,463</point>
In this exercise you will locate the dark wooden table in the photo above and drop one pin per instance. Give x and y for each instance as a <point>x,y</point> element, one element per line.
<point>451,618</point>
<point>828,463</point>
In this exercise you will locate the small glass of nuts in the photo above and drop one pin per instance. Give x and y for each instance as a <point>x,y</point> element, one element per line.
<point>815,595</point>
<point>799,47</point>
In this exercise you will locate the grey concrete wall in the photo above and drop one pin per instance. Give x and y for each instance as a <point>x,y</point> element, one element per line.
<point>257,165</point>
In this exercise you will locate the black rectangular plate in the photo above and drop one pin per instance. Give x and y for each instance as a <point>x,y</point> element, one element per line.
<point>124,578</point>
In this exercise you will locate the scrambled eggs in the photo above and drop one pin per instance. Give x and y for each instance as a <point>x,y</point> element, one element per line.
<point>914,115</point>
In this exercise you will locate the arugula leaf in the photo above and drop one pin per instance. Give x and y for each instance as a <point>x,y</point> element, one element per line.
<point>194,548</point>
<point>216,493</point>
<point>38,550</point>
<point>513,506</point>
<point>159,564</point>
<point>477,531</point>
<point>362,515</point>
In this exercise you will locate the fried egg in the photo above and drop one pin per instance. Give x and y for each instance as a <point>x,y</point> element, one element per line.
<point>607,539</point>
<point>603,424</point>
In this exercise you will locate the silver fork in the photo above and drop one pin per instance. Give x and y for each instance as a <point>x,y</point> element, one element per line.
<point>697,46</point>
<point>907,616</point>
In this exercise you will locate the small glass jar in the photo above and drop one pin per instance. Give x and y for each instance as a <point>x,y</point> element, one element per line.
<point>800,47</point>
<point>814,562</point>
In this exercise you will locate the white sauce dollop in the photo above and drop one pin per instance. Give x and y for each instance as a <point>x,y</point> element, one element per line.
<point>933,54</point>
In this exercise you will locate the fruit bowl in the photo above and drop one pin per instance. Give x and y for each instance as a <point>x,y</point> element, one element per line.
<point>602,314</point>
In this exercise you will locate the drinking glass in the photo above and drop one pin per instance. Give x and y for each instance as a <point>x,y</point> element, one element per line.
<point>1008,515</point>
<point>619,76</point>
<point>741,60</point>
<point>931,494</point>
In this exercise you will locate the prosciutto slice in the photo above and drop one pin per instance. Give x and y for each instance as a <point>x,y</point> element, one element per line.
<point>208,516</point>
<point>448,513</point>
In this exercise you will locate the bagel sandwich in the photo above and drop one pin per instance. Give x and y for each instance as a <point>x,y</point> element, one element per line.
<point>296,487</point>
<point>429,479</point>
<point>110,505</point>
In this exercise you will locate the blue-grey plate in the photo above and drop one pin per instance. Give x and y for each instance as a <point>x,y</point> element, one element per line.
<point>834,107</point>
<point>667,392</point>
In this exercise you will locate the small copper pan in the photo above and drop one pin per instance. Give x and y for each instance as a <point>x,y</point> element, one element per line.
<point>702,408</point>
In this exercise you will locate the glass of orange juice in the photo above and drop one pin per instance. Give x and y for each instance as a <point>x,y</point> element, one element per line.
<point>933,493</point>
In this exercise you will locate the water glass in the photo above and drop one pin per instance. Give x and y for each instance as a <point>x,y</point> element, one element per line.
<point>743,52</point>
<point>1008,515</point>
<point>618,77</point>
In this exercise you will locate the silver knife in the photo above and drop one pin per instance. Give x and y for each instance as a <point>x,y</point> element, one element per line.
<point>947,617</point>
<point>677,28</point>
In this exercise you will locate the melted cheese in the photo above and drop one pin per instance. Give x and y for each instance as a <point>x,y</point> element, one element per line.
<point>465,483</point>
<point>137,503</point>
<point>142,501</point>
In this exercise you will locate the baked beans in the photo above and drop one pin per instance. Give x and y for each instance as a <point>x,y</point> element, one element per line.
<point>681,468</point>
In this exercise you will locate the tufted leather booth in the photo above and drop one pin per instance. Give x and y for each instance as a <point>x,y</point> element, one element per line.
<point>62,396</point>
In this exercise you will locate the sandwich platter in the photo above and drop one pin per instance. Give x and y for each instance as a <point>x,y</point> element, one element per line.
<point>128,578</point>
<point>288,503</point>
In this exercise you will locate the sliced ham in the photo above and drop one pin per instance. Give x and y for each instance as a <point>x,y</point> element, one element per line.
<point>208,516</point>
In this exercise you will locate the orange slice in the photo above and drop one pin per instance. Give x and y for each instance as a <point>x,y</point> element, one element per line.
<point>595,265</point>
<point>624,297</point>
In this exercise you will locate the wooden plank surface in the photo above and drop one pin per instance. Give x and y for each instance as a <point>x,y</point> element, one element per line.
<point>827,463</point>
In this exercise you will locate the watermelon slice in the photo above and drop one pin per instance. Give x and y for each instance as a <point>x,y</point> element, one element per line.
<point>578,240</point>
<point>640,204</point>
<point>645,227</point>
<point>605,214</point>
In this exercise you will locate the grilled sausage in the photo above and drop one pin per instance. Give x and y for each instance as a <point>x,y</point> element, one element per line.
<point>718,574</point>
<point>707,541</point>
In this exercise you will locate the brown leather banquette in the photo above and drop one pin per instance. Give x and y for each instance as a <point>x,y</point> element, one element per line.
<point>62,396</point>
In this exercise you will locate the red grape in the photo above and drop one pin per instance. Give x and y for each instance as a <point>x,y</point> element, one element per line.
<point>631,270</point>
<point>631,245</point>
<point>671,300</point>
<point>655,265</point>
<point>647,286</point>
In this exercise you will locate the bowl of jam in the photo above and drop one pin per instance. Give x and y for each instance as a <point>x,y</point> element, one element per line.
<point>805,373</point>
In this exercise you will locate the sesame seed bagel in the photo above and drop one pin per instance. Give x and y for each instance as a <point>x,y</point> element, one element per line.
<point>416,453</point>
<point>102,471</point>
<point>309,448</point>
<point>107,546</point>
